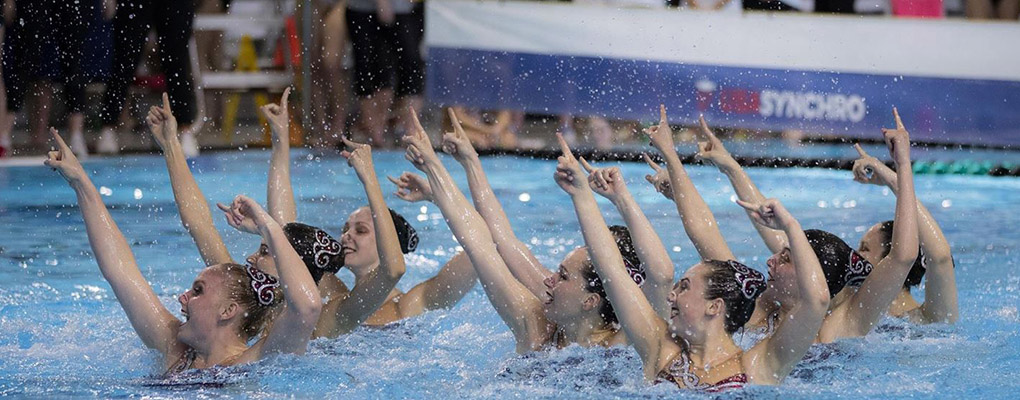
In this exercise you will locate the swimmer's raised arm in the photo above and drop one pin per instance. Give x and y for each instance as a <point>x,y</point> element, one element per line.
<point>191,203</point>
<point>151,320</point>
<point>518,257</point>
<point>279,192</point>
<point>519,308</point>
<point>859,314</point>
<point>644,328</point>
<point>775,356</point>
<point>698,220</point>
<point>366,297</point>
<point>609,183</point>
<point>711,149</point>
<point>940,295</point>
<point>452,282</point>
<point>292,327</point>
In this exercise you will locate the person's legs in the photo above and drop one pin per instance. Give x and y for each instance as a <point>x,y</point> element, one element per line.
<point>130,27</point>
<point>410,67</point>
<point>372,73</point>
<point>174,30</point>
<point>334,47</point>
<point>72,21</point>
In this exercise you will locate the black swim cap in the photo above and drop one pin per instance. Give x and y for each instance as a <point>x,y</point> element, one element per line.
<point>406,234</point>
<point>320,252</point>
<point>842,265</point>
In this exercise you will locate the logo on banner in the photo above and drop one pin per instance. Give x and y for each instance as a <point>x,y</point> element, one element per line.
<point>780,103</point>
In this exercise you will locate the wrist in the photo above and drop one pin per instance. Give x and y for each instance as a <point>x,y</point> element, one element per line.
<point>727,165</point>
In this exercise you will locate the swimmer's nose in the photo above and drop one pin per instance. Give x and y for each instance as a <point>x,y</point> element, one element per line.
<point>671,297</point>
<point>550,281</point>
<point>251,260</point>
<point>183,298</point>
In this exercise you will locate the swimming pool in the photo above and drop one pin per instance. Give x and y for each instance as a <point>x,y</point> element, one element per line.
<point>62,332</point>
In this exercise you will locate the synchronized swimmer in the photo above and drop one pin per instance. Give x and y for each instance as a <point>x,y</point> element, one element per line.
<point>617,289</point>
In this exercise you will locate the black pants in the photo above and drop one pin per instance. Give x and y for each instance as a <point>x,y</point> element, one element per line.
<point>384,54</point>
<point>61,22</point>
<point>173,21</point>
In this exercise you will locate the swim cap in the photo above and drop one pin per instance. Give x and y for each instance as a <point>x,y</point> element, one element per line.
<point>841,264</point>
<point>406,234</point>
<point>319,251</point>
<point>263,284</point>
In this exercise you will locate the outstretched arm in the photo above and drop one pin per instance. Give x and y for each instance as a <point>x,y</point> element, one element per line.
<point>518,257</point>
<point>293,326</point>
<point>886,280</point>
<point>644,328</point>
<point>655,262</point>
<point>711,149</point>
<point>369,294</point>
<point>279,192</point>
<point>452,282</point>
<point>940,295</point>
<point>775,356</point>
<point>698,220</point>
<point>519,308</point>
<point>191,203</point>
<point>154,324</point>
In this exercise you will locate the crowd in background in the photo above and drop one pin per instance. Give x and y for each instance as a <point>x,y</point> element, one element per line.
<point>365,57</point>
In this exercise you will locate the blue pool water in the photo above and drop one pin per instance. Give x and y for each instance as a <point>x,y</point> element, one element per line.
<point>62,332</point>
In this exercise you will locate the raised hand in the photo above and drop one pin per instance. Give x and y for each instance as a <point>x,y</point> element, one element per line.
<point>769,213</point>
<point>898,140</point>
<point>661,135</point>
<point>710,148</point>
<point>661,178</point>
<point>419,148</point>
<point>358,155</point>
<point>868,169</point>
<point>457,143</point>
<point>607,182</point>
<point>412,187</point>
<point>244,212</point>
<point>63,160</point>
<point>163,124</point>
<point>279,118</point>
<point>245,225</point>
<point>568,172</point>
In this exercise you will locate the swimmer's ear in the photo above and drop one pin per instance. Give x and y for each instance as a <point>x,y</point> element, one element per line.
<point>591,301</point>
<point>229,311</point>
<point>715,307</point>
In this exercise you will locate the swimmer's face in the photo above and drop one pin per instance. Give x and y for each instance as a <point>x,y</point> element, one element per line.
<point>358,241</point>
<point>871,246</point>
<point>782,279</point>
<point>567,296</point>
<point>262,260</point>
<point>204,306</point>
<point>687,302</point>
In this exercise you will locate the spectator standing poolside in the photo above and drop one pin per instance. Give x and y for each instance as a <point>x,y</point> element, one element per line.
<point>65,24</point>
<point>386,36</point>
<point>173,21</point>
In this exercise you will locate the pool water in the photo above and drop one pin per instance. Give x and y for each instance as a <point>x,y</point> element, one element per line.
<point>62,332</point>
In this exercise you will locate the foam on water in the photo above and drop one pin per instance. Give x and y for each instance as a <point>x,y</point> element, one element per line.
<point>62,332</point>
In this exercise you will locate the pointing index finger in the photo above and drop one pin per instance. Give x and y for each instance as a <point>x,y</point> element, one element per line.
<point>860,150</point>
<point>705,130</point>
<point>166,102</point>
<point>587,167</point>
<point>563,145</point>
<point>414,117</point>
<point>60,141</point>
<point>662,114</point>
<point>651,163</point>
<point>747,206</point>
<point>899,122</point>
<point>283,100</point>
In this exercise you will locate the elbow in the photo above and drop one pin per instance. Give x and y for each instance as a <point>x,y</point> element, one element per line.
<point>309,310</point>
<point>819,299</point>
<point>903,256</point>
<point>940,257</point>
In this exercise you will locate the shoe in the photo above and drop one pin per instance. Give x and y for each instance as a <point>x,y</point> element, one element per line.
<point>78,146</point>
<point>189,145</point>
<point>108,142</point>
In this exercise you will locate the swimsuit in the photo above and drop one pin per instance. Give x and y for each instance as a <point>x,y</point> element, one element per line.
<point>182,364</point>
<point>680,374</point>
